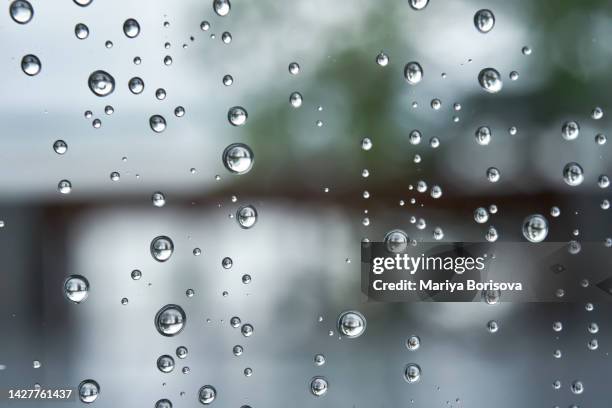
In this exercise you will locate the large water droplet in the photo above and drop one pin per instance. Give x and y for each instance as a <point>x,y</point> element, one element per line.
<point>88,391</point>
<point>237,116</point>
<point>413,73</point>
<point>490,80</point>
<point>570,130</point>
<point>21,11</point>
<point>535,228</point>
<point>412,373</point>
<point>246,216</point>
<point>207,394</point>
<point>131,28</point>
<point>159,199</point>
<point>163,403</point>
<point>222,7</point>
<point>493,174</point>
<point>101,83</point>
<point>162,248</point>
<point>413,343</point>
<point>238,158</point>
<point>577,387</point>
<point>157,123</point>
<point>483,135</point>
<point>76,288</point>
<point>170,320</point>
<point>484,20</point>
<point>136,85</point>
<point>60,147</point>
<point>165,363</point>
<point>318,386</point>
<point>573,175</point>
<point>30,65</point>
<point>295,99</point>
<point>294,68</point>
<point>64,187</point>
<point>351,324</point>
<point>81,31</point>
<point>418,4</point>
<point>396,241</point>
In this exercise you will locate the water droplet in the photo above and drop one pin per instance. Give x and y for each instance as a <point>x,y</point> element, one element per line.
<point>159,199</point>
<point>484,20</point>
<point>207,393</point>
<point>237,350</point>
<point>21,11</point>
<point>593,328</point>
<point>413,343</point>
<point>577,387</point>
<point>246,216</point>
<point>319,359</point>
<point>555,211</point>
<point>382,59</point>
<point>492,326</point>
<point>136,85</point>
<point>162,248</point>
<point>493,174</point>
<point>222,7</point>
<point>136,274</point>
<point>115,176</point>
<point>601,139</point>
<point>418,4</point>
<point>351,324</point>
<point>557,326</point>
<point>157,123</point>
<point>88,390</point>
<point>318,386</point>
<point>295,99</point>
<point>514,75</point>
<point>436,104</point>
<point>535,228</point>
<point>237,116</point>
<point>483,135</point>
<point>60,147</point>
<point>76,288</point>
<point>412,373</point>
<point>490,80</point>
<point>165,363</point>
<point>131,28</point>
<point>294,68</point>
<point>413,73</point>
<point>64,187</point>
<point>570,130</point>
<point>160,94</point>
<point>170,320</point>
<point>30,65</point>
<point>101,83</point>
<point>396,241</point>
<point>226,37</point>
<point>163,403</point>
<point>597,113</point>
<point>228,80</point>
<point>593,344</point>
<point>238,158</point>
<point>414,137</point>
<point>526,50</point>
<point>82,3</point>
<point>81,31</point>
<point>227,263</point>
<point>573,175</point>
<point>438,233</point>
<point>366,144</point>
<point>491,234</point>
<point>247,330</point>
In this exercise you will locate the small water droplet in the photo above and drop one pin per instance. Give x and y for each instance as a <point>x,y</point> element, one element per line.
<point>237,116</point>
<point>238,158</point>
<point>101,83</point>
<point>81,31</point>
<point>157,123</point>
<point>161,248</point>
<point>30,65</point>
<point>573,175</point>
<point>413,72</point>
<point>88,389</point>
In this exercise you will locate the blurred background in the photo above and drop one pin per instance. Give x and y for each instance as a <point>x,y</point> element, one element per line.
<point>308,188</point>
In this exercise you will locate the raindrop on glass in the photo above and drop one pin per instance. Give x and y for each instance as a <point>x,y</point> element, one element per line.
<point>170,320</point>
<point>162,248</point>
